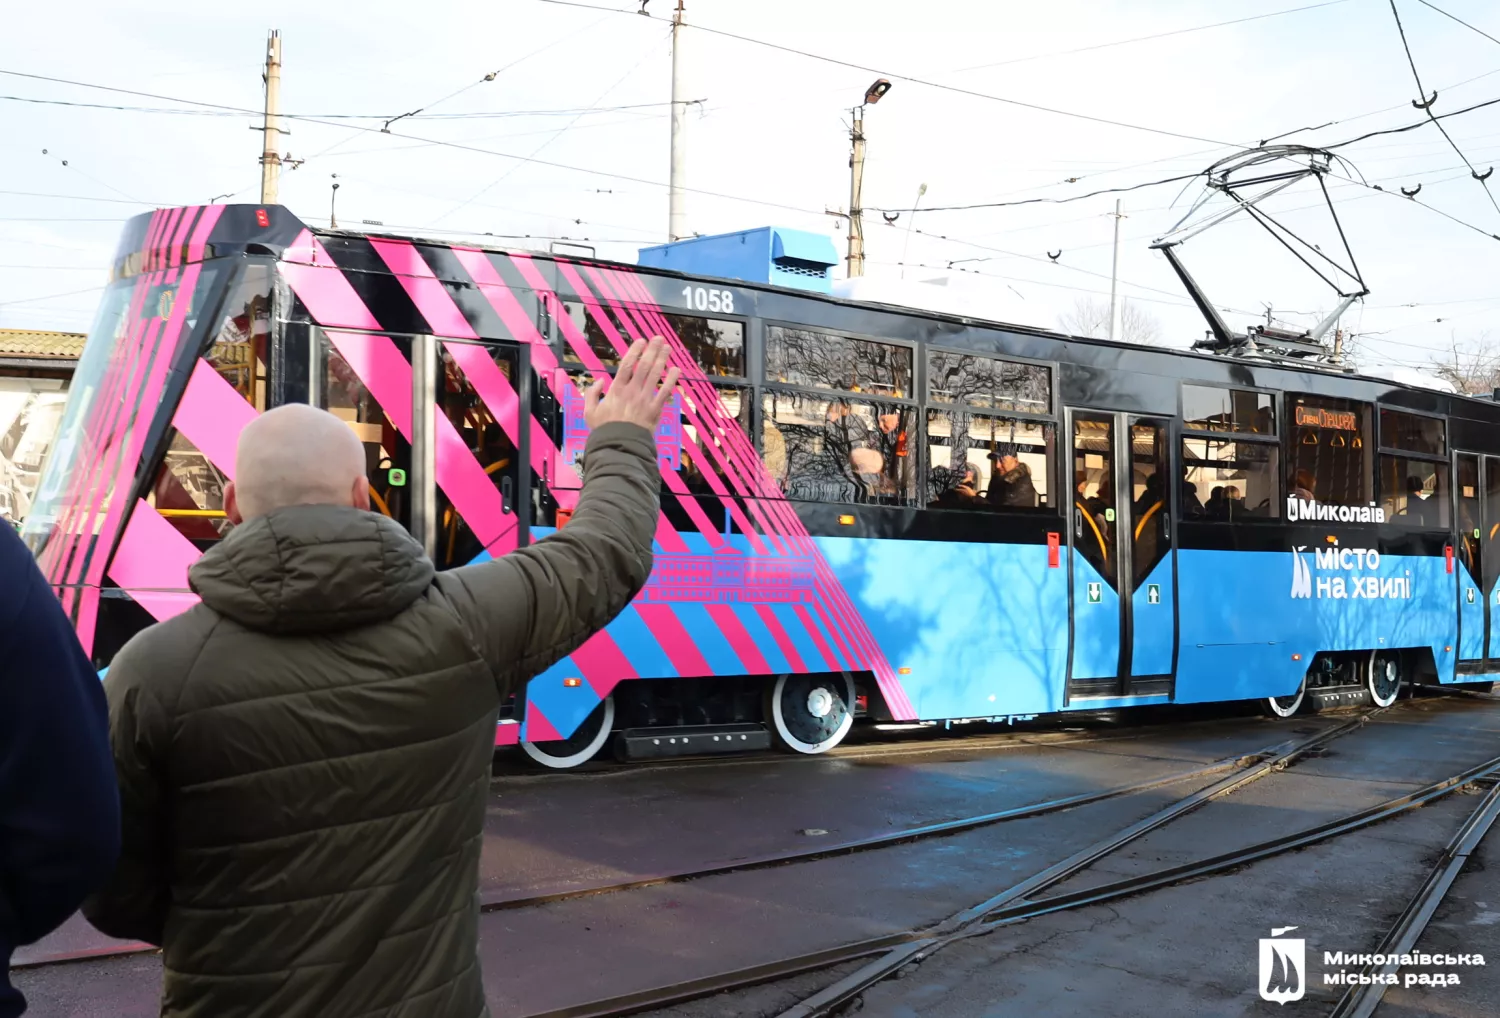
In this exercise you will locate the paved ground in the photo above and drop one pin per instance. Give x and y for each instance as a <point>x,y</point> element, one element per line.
<point>1184,950</point>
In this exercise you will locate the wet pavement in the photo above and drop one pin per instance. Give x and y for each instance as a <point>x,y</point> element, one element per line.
<point>1189,949</point>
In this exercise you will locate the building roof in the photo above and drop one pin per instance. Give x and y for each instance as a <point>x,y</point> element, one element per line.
<point>32,344</point>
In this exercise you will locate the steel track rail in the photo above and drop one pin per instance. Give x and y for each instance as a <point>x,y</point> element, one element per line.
<point>1024,910</point>
<point>897,950</point>
<point>497,903</point>
<point>1361,1001</point>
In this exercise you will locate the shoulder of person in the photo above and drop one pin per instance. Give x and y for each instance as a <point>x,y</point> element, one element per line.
<point>160,658</point>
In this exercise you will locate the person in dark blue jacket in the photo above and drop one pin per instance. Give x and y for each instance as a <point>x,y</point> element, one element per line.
<point>59,803</point>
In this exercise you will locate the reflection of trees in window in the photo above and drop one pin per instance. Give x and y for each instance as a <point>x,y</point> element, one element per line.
<point>987,382</point>
<point>841,450</point>
<point>593,333</point>
<point>1412,433</point>
<point>718,347</point>
<point>1209,408</point>
<point>825,361</point>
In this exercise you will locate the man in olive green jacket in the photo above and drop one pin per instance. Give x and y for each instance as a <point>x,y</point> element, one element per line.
<point>303,757</point>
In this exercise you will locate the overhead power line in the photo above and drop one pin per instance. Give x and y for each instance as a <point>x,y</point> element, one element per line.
<point>1461,21</point>
<point>959,90</point>
<point>1149,38</point>
<point>1425,105</point>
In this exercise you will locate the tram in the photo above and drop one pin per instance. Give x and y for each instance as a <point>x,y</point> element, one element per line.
<point>867,511</point>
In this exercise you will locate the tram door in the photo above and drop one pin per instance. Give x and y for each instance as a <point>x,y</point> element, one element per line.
<point>1477,555</point>
<point>1124,616</point>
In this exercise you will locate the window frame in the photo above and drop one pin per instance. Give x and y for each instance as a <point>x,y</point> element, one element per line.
<point>564,353</point>
<point>763,355</point>
<point>1186,434</point>
<point>1445,461</point>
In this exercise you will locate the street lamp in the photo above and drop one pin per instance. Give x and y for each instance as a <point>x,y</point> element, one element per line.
<point>873,95</point>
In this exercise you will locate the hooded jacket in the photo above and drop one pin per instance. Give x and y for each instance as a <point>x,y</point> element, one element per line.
<point>304,757</point>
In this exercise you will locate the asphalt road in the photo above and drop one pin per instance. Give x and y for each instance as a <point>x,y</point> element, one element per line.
<point>1190,949</point>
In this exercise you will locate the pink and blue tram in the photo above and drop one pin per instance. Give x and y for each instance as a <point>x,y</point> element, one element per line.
<point>866,511</point>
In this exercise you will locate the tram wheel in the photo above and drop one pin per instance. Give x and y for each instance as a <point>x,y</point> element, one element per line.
<point>810,713</point>
<point>1286,706</point>
<point>580,747</point>
<point>1384,677</point>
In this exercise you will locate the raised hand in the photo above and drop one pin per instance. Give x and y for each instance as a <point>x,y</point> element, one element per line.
<point>635,396</point>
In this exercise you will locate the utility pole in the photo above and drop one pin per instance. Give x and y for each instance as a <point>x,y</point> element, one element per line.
<point>856,185</point>
<point>677,228</point>
<point>857,178</point>
<point>270,156</point>
<point>1114,280</point>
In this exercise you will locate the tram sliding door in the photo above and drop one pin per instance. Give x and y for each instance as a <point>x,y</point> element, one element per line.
<point>440,421</point>
<point>1124,619</point>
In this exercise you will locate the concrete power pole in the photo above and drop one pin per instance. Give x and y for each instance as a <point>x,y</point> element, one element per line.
<point>1114,280</point>
<point>677,228</point>
<point>856,185</point>
<point>270,157</point>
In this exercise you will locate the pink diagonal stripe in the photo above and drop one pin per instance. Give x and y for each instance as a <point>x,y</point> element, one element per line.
<point>134,438</point>
<point>783,641</point>
<point>673,637</point>
<point>602,664</point>
<point>198,245</point>
<point>739,639</point>
<point>815,632</point>
<point>425,289</point>
<point>329,296</point>
<point>178,244</point>
<point>152,562</point>
<point>211,416</point>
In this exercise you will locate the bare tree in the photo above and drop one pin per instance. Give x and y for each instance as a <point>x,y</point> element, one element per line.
<point>1472,367</point>
<point>1090,317</point>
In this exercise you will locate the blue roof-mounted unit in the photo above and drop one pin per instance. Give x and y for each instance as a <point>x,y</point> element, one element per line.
<point>793,258</point>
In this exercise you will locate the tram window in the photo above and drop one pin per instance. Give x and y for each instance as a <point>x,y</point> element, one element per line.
<point>980,462</point>
<point>1414,492</point>
<point>589,324</point>
<point>387,453</point>
<point>988,382</point>
<point>189,493</point>
<point>1094,502</point>
<point>1149,446</point>
<point>1466,504</point>
<point>1208,408</point>
<point>708,454</point>
<point>1328,450</point>
<point>717,346</point>
<point>839,450</point>
<point>822,360</point>
<point>475,423</point>
<point>1228,480</point>
<point>1412,433</point>
<point>239,351</point>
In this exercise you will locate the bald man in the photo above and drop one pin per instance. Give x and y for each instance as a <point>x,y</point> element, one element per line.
<point>303,758</point>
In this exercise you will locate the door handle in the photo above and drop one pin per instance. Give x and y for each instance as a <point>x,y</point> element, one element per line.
<point>507,495</point>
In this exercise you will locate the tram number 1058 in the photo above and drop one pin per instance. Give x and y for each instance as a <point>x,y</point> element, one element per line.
<point>708,299</point>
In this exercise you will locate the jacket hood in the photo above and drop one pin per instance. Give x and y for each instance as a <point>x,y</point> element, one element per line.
<point>312,569</point>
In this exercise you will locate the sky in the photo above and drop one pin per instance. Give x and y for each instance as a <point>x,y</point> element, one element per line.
<point>993,102</point>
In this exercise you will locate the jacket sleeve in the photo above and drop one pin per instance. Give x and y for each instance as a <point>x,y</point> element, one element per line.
<point>59,811</point>
<point>133,905</point>
<point>535,606</point>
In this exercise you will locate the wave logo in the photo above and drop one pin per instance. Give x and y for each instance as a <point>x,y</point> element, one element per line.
<point>1301,573</point>
<point>1283,967</point>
